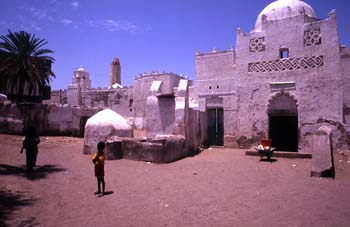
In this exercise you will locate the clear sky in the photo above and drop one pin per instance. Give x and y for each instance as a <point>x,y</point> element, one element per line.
<point>146,35</point>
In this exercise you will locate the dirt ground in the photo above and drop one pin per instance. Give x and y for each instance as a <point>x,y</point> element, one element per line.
<point>218,187</point>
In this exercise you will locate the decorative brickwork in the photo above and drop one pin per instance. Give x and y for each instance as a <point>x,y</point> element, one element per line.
<point>312,37</point>
<point>286,64</point>
<point>282,102</point>
<point>257,44</point>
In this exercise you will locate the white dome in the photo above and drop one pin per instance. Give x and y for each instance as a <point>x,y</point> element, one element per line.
<point>281,9</point>
<point>81,69</point>
<point>102,125</point>
<point>116,85</point>
<point>108,118</point>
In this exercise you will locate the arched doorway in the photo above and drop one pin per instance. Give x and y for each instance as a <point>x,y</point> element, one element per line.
<point>283,122</point>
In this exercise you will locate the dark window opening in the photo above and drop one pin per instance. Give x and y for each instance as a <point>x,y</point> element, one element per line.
<point>284,53</point>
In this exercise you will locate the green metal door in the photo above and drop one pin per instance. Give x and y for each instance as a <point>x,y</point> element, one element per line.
<point>216,126</point>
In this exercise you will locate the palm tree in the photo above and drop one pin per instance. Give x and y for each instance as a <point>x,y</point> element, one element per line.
<point>25,69</point>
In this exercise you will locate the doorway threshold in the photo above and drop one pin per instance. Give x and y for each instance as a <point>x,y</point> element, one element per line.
<point>282,154</point>
<point>217,146</point>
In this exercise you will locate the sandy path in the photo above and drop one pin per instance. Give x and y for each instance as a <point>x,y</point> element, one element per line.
<point>218,187</point>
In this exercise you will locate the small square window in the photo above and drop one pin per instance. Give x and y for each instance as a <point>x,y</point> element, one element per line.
<point>284,53</point>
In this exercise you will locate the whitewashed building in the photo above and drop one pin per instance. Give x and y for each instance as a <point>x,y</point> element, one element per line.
<point>283,80</point>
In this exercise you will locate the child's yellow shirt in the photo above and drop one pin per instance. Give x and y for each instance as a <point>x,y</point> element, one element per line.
<point>98,159</point>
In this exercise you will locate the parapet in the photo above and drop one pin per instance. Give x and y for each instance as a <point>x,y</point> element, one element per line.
<point>214,52</point>
<point>344,52</point>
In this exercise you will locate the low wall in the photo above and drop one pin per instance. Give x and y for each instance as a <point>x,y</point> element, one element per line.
<point>340,134</point>
<point>13,118</point>
<point>48,119</point>
<point>158,150</point>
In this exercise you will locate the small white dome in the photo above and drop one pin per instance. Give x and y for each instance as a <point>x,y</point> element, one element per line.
<point>281,9</point>
<point>102,125</point>
<point>116,85</point>
<point>108,118</point>
<point>81,69</point>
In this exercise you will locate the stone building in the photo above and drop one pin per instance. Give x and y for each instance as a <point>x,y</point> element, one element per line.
<point>163,83</point>
<point>283,80</point>
<point>79,93</point>
<point>271,85</point>
<point>80,82</point>
<point>127,101</point>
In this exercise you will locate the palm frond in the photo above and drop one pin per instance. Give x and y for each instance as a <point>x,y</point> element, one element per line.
<point>24,63</point>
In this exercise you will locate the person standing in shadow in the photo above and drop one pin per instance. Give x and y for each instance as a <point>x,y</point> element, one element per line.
<point>30,144</point>
<point>98,159</point>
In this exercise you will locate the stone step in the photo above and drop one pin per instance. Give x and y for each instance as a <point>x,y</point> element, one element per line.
<point>282,154</point>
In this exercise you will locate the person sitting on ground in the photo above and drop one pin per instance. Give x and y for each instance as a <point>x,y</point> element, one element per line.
<point>98,159</point>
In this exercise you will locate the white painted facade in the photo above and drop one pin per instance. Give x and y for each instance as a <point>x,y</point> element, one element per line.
<point>290,56</point>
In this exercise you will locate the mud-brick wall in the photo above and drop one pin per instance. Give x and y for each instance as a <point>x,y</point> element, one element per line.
<point>160,115</point>
<point>345,66</point>
<point>13,118</point>
<point>48,119</point>
<point>68,120</point>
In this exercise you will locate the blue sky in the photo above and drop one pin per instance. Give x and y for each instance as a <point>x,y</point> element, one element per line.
<point>161,35</point>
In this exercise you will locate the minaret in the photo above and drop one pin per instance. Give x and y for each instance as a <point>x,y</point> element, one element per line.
<point>115,72</point>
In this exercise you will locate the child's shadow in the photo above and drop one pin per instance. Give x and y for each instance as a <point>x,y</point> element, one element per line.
<point>268,160</point>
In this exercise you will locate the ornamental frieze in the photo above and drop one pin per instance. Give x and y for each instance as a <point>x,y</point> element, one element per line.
<point>286,64</point>
<point>312,37</point>
<point>257,44</point>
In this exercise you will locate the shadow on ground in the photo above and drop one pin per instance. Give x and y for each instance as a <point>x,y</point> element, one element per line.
<point>10,202</point>
<point>38,172</point>
<point>268,160</point>
<point>108,193</point>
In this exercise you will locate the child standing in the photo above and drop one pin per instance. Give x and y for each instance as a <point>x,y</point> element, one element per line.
<point>98,159</point>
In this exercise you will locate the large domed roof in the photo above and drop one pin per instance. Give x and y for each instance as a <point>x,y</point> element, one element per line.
<point>281,9</point>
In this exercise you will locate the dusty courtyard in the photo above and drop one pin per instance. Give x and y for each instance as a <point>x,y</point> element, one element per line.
<point>218,187</point>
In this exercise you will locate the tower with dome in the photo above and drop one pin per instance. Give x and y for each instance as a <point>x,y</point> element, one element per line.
<point>286,77</point>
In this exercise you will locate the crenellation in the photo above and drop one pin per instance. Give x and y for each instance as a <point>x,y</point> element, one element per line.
<point>344,52</point>
<point>200,54</point>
